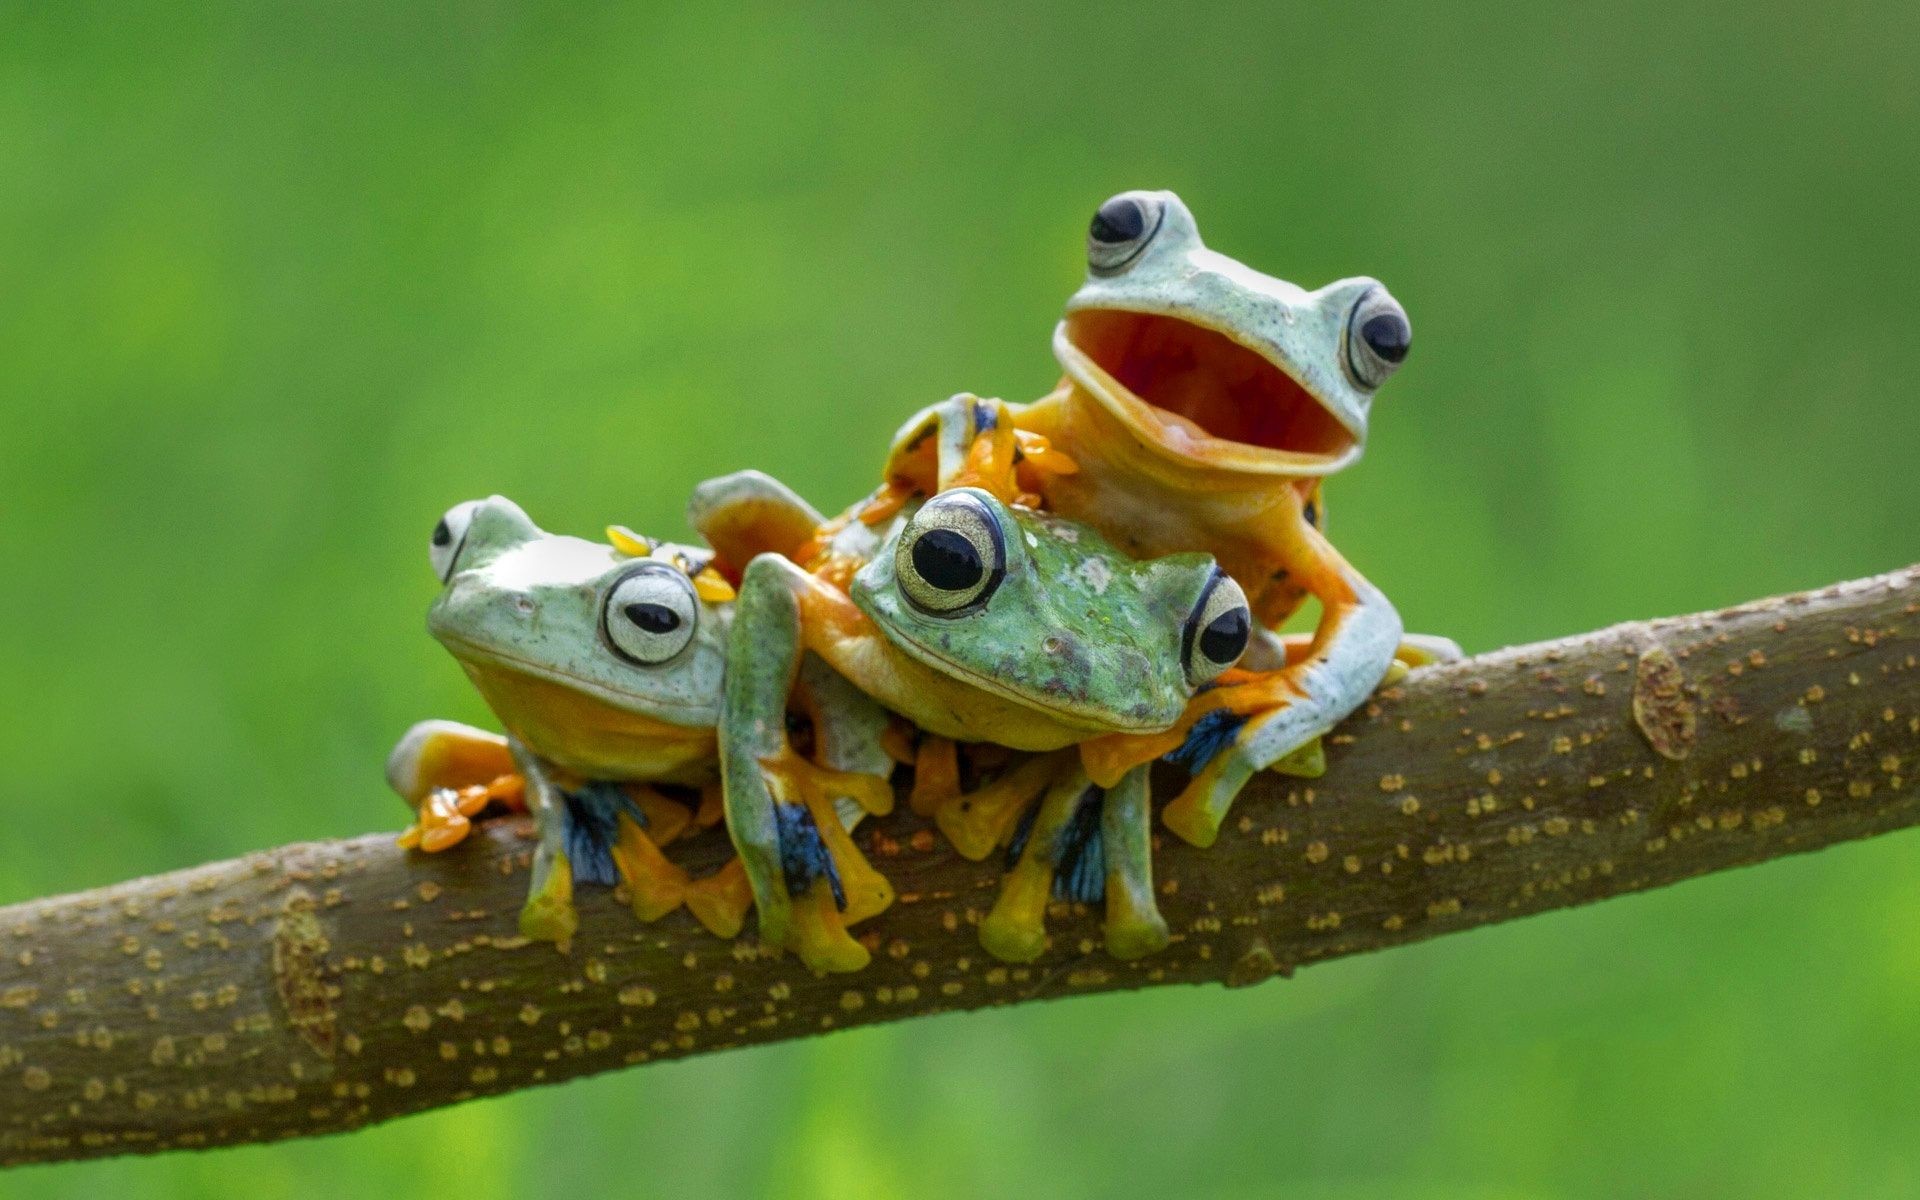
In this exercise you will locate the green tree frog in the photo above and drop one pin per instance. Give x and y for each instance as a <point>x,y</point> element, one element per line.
<point>1202,405</point>
<point>979,622</point>
<point>605,662</point>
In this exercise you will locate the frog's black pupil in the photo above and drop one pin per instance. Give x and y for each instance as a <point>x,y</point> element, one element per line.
<point>1388,336</point>
<point>441,534</point>
<point>1119,220</point>
<point>947,560</point>
<point>654,618</point>
<point>1225,637</point>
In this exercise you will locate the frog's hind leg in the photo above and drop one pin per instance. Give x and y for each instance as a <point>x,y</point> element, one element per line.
<point>450,773</point>
<point>607,843</point>
<point>780,807</point>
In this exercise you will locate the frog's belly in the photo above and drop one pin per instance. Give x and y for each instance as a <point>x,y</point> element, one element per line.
<point>594,739</point>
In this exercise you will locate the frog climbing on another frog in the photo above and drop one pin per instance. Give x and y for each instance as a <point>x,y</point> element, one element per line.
<point>1203,403</point>
<point>605,664</point>
<point>977,621</point>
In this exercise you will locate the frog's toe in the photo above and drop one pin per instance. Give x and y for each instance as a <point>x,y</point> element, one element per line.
<point>1016,929</point>
<point>977,821</point>
<point>820,934</point>
<point>720,901</point>
<point>1197,813</point>
<point>1136,935</point>
<point>655,886</point>
<point>549,915</point>
<point>440,823</point>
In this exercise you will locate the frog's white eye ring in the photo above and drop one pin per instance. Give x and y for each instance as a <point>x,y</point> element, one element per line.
<point>951,556</point>
<point>1217,632</point>
<point>650,614</point>
<point>1121,229</point>
<point>1378,338</point>
<point>449,537</point>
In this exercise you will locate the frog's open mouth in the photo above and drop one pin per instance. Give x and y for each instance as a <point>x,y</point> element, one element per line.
<point>1197,393</point>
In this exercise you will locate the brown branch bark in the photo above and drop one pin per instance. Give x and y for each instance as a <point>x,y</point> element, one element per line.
<point>322,987</point>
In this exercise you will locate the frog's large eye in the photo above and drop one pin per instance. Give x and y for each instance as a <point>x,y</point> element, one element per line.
<point>443,549</point>
<point>1378,337</point>
<point>650,614</point>
<point>1217,632</point>
<point>1121,229</point>
<point>951,556</point>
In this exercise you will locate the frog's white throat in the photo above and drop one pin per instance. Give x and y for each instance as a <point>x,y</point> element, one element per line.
<point>1194,393</point>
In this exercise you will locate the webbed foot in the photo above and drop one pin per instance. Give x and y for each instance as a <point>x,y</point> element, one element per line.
<point>978,821</point>
<point>450,773</point>
<point>720,901</point>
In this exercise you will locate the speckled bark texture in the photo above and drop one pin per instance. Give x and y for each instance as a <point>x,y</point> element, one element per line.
<point>322,987</point>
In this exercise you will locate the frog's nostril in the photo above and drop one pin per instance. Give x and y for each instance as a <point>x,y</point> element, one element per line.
<point>523,605</point>
<point>1052,645</point>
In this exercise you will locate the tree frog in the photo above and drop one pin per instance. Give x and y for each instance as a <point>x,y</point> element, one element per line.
<point>977,621</point>
<point>1203,403</point>
<point>605,664</point>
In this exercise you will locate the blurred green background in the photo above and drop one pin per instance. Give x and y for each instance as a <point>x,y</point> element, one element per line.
<point>278,283</point>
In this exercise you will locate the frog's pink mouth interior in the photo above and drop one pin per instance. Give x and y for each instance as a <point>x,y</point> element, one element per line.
<point>1203,382</point>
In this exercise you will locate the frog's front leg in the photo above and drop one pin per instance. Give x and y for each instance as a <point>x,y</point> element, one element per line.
<point>548,914</point>
<point>1245,727</point>
<point>806,875</point>
<point>449,773</point>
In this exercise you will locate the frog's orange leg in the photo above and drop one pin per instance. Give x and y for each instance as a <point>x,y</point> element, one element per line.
<point>936,776</point>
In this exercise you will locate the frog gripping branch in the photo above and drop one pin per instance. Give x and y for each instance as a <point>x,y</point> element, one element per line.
<point>1202,405</point>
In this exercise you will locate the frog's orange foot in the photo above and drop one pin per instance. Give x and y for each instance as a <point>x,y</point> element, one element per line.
<point>978,821</point>
<point>446,815</point>
<point>802,781</point>
<point>819,859</point>
<point>818,880</point>
<point>993,457</point>
<point>720,901</point>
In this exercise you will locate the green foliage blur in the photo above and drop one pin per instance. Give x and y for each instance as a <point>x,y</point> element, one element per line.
<point>280,282</point>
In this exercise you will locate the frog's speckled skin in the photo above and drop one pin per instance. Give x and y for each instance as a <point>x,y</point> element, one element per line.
<point>1202,404</point>
<point>541,624</point>
<point>1071,640</point>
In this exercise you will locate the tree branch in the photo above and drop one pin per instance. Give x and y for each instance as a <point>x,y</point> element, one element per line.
<point>323,987</point>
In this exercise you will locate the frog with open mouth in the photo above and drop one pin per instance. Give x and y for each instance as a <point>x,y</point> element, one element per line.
<point>605,663</point>
<point>1202,405</point>
<point>978,621</point>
